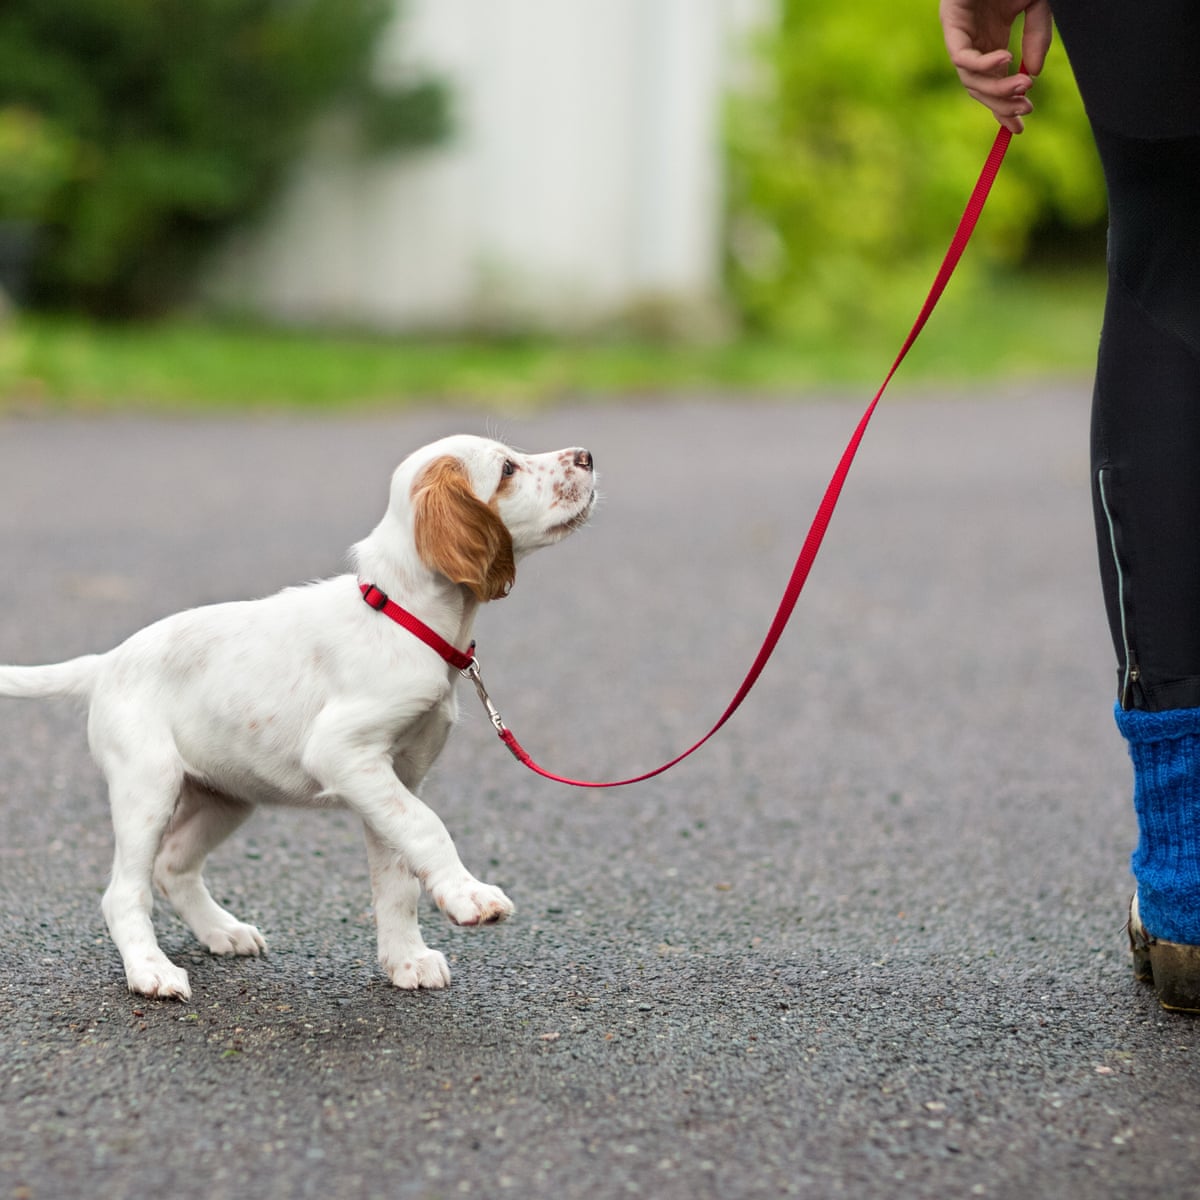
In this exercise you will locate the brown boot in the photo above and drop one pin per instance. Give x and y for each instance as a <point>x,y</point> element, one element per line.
<point>1172,968</point>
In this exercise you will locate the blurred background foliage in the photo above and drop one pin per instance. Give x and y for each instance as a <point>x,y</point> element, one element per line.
<point>134,133</point>
<point>849,159</point>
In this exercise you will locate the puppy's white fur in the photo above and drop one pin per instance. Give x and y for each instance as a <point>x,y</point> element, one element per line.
<point>310,697</point>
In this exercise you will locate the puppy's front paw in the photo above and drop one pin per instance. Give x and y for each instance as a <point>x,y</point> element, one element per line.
<point>424,969</point>
<point>158,977</point>
<point>473,903</point>
<point>235,938</point>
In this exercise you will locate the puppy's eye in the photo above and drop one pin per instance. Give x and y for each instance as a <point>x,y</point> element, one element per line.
<point>509,468</point>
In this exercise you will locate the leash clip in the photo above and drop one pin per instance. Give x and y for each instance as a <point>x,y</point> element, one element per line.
<point>472,673</point>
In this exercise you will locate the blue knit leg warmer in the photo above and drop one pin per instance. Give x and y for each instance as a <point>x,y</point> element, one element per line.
<point>1165,749</point>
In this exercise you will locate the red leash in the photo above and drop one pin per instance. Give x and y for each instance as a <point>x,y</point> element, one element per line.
<point>816,533</point>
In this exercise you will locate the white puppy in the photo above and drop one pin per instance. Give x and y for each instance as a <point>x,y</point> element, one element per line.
<point>314,697</point>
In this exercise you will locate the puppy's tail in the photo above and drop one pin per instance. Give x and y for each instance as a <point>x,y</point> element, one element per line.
<point>73,678</point>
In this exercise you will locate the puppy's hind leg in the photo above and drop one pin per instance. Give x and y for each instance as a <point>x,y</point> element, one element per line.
<point>403,954</point>
<point>203,820</point>
<point>142,794</point>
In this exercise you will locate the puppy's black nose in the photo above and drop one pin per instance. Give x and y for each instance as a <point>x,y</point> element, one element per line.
<point>583,459</point>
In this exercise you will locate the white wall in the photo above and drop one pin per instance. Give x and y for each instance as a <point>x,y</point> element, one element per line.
<point>583,182</point>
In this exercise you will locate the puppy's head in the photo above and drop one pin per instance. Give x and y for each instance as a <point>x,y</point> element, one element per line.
<point>478,506</point>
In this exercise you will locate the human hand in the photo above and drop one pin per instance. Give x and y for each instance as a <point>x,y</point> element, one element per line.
<point>977,33</point>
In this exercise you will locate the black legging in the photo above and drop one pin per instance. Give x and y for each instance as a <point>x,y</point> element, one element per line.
<point>1136,64</point>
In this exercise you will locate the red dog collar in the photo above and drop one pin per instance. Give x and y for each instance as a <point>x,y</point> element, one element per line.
<point>378,600</point>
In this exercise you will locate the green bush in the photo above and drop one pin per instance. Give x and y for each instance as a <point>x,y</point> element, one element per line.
<point>182,117</point>
<point>35,161</point>
<point>851,152</point>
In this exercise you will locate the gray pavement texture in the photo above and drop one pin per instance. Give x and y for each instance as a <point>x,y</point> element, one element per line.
<point>867,943</point>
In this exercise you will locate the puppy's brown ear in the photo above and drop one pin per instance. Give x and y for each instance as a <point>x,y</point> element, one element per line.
<point>458,535</point>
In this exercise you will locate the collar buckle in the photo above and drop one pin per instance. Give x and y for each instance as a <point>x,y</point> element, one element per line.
<point>375,597</point>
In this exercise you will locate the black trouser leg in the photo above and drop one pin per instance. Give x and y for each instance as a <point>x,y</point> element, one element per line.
<point>1136,67</point>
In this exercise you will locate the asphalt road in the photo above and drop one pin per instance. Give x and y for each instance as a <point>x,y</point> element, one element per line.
<point>867,943</point>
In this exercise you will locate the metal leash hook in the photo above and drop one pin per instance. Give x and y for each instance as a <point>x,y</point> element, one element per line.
<point>472,673</point>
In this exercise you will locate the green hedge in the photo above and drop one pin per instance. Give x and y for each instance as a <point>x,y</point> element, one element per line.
<point>163,122</point>
<point>851,153</point>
